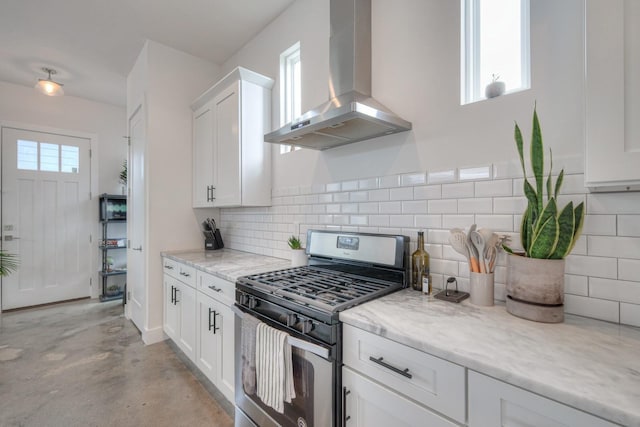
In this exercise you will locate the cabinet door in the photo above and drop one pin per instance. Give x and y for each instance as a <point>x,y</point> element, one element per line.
<point>186,299</point>
<point>227,142</point>
<point>226,321</point>
<point>203,157</point>
<point>170,317</point>
<point>494,403</point>
<point>369,404</point>
<point>612,92</point>
<point>209,338</point>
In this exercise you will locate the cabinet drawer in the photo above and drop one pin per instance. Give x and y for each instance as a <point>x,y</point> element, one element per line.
<point>429,380</point>
<point>217,288</point>
<point>170,267</point>
<point>494,403</point>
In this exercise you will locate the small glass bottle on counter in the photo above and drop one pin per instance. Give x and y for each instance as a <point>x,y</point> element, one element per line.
<point>420,274</point>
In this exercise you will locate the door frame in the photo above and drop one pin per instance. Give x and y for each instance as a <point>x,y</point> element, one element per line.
<point>93,186</point>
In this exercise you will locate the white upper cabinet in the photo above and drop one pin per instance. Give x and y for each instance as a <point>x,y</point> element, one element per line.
<point>612,153</point>
<point>231,161</point>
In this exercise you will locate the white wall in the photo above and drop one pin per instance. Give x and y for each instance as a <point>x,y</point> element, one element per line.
<point>169,80</point>
<point>24,105</point>
<point>382,185</point>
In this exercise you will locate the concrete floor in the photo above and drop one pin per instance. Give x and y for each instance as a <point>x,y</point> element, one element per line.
<point>84,364</point>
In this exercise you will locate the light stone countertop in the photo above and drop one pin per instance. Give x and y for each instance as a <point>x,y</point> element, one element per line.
<point>228,264</point>
<point>584,363</point>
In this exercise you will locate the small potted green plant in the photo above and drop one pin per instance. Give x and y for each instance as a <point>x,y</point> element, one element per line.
<point>298,253</point>
<point>8,263</point>
<point>113,290</point>
<point>535,278</point>
<point>122,177</point>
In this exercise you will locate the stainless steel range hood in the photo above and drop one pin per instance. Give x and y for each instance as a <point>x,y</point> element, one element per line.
<point>351,114</point>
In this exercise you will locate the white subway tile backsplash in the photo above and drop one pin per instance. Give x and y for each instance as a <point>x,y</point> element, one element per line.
<point>592,307</point>
<point>333,187</point>
<point>427,192</point>
<point>368,184</point>
<point>509,205</point>
<point>442,206</point>
<point>379,195</point>
<point>616,290</point>
<point>457,191</point>
<point>602,277</point>
<point>475,173</point>
<point>404,193</point>
<point>390,207</point>
<point>379,220</point>
<point>629,269</point>
<point>411,179</point>
<point>629,225</point>
<point>614,203</point>
<point>349,185</point>
<point>429,221</point>
<point>389,181</point>
<point>497,223</point>
<point>603,225</point>
<point>576,285</point>
<point>414,207</point>
<point>478,206</point>
<point>591,266</point>
<point>359,196</point>
<point>369,208</point>
<point>497,188</point>
<point>441,177</point>
<point>623,247</point>
<point>359,220</point>
<point>570,164</point>
<point>401,220</point>
<point>456,221</point>
<point>630,314</point>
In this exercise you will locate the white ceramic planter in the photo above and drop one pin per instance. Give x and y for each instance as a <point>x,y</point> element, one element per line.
<point>298,258</point>
<point>494,89</point>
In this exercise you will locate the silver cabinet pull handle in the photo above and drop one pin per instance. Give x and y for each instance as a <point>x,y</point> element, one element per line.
<point>213,288</point>
<point>168,267</point>
<point>138,248</point>
<point>404,373</point>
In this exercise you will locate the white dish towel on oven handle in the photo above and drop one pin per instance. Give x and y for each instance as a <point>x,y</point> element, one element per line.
<point>274,367</point>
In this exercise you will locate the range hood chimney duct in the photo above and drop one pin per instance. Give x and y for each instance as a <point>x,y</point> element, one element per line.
<point>351,114</point>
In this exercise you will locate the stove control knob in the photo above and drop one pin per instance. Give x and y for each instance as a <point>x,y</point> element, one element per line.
<point>292,319</point>
<point>244,299</point>
<point>252,302</point>
<point>306,326</point>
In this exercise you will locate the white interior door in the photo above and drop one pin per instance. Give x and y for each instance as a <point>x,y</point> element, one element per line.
<point>136,224</point>
<point>45,217</point>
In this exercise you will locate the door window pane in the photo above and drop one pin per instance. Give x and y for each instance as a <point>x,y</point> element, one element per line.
<point>27,155</point>
<point>49,157</point>
<point>69,158</point>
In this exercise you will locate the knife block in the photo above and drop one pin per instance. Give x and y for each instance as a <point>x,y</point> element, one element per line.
<point>213,240</point>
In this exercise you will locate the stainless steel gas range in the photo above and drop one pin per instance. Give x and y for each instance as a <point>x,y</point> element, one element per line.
<point>345,269</point>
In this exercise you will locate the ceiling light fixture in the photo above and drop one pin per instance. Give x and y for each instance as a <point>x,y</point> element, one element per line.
<point>48,86</point>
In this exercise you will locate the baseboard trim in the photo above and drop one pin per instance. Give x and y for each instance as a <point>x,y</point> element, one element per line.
<point>152,336</point>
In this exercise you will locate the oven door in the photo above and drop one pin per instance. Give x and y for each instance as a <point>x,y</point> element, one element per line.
<point>314,381</point>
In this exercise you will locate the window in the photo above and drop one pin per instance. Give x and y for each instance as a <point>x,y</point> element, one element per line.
<point>290,88</point>
<point>495,43</point>
<point>48,157</point>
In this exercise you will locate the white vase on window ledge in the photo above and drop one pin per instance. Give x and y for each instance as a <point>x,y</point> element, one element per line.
<point>495,88</point>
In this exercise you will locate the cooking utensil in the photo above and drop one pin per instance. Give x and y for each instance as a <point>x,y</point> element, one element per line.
<point>458,241</point>
<point>473,253</point>
<point>479,243</point>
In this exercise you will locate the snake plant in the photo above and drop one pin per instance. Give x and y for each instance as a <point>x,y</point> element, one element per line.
<point>546,230</point>
<point>294,242</point>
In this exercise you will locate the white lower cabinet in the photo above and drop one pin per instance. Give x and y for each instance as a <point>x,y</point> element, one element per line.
<point>389,384</point>
<point>215,354</point>
<point>179,320</point>
<point>495,403</point>
<point>369,404</point>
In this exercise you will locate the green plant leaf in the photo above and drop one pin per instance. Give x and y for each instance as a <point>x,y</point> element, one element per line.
<point>549,181</point>
<point>537,157</point>
<point>577,228</point>
<point>566,224</point>
<point>559,183</point>
<point>520,146</point>
<point>544,242</point>
<point>525,229</point>
<point>8,263</point>
<point>550,210</point>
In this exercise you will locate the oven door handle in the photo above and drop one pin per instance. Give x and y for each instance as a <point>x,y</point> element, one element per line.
<point>293,341</point>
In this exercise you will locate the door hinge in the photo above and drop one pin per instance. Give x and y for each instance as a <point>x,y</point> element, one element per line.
<point>90,153</point>
<point>90,238</point>
<point>128,295</point>
<point>90,282</point>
